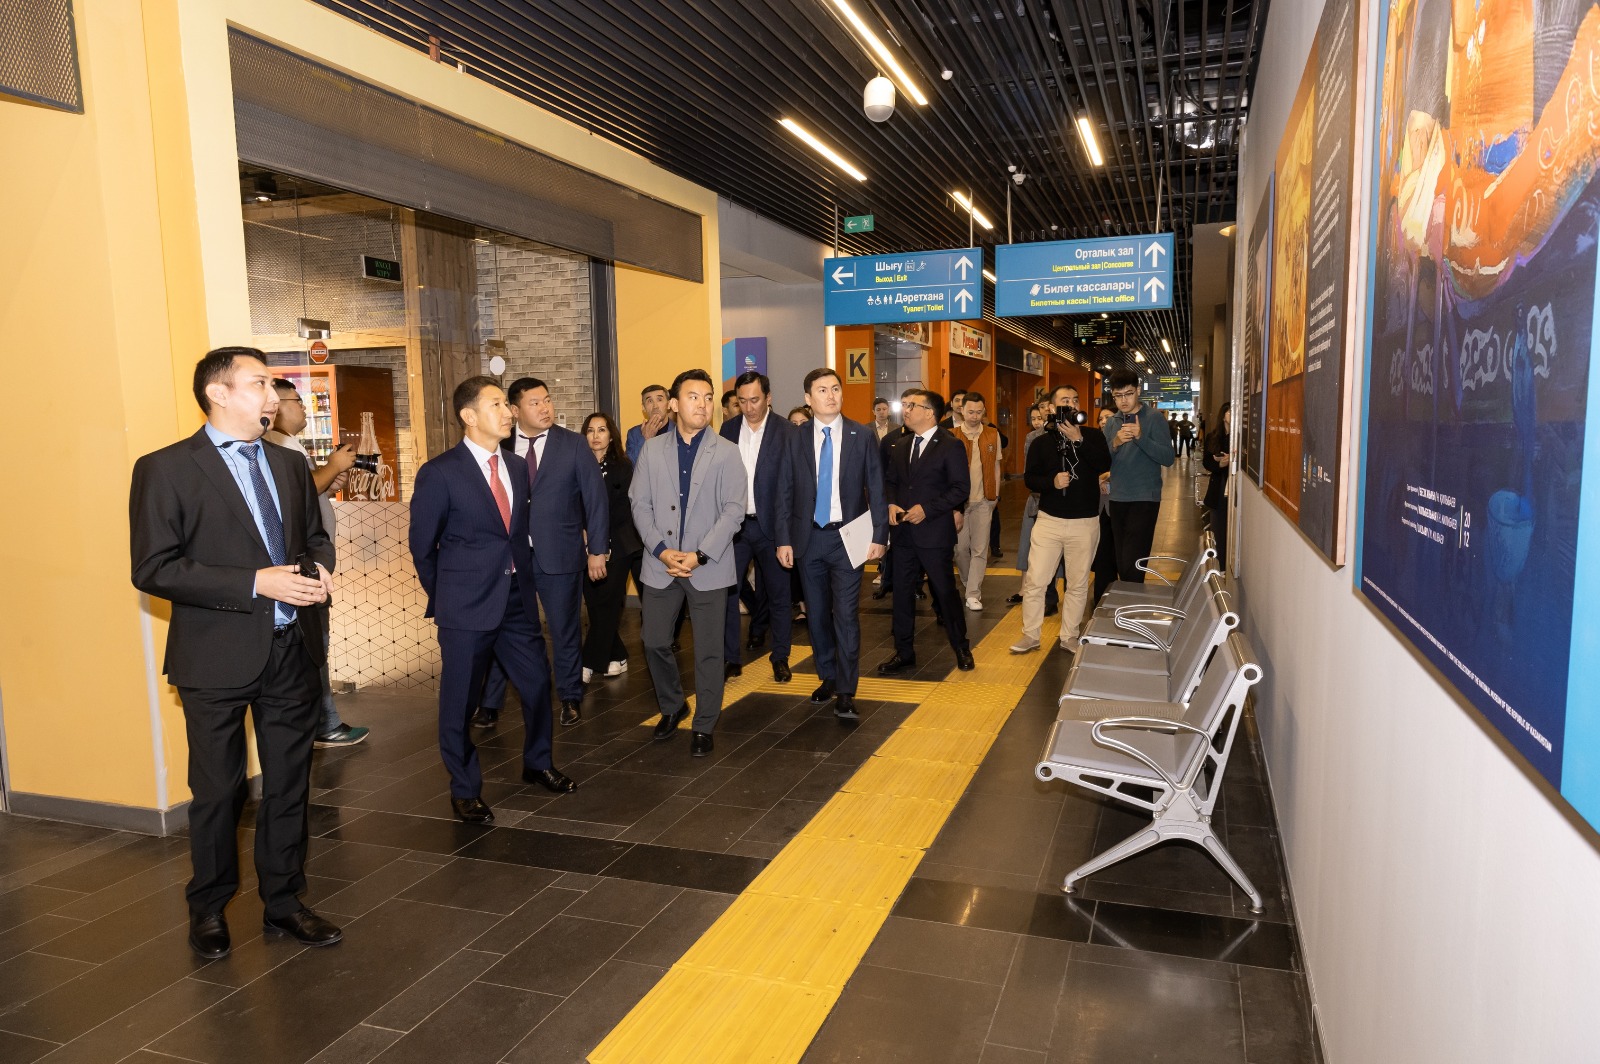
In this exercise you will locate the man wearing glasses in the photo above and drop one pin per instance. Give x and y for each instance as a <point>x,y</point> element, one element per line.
<point>1141,447</point>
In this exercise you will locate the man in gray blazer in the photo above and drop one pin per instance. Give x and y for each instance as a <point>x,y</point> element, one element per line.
<point>688,498</point>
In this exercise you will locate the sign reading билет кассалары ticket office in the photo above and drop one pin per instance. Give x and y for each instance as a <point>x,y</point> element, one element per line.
<point>1083,276</point>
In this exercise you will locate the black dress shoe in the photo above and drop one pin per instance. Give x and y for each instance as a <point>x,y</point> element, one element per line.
<point>1013,600</point>
<point>549,779</point>
<point>964,660</point>
<point>306,927</point>
<point>1050,611</point>
<point>755,642</point>
<point>730,669</point>
<point>822,694</point>
<point>700,744</point>
<point>485,718</point>
<point>882,592</point>
<point>896,664</point>
<point>666,726</point>
<point>845,709</point>
<point>780,671</point>
<point>472,810</point>
<point>208,935</point>
<point>571,712</point>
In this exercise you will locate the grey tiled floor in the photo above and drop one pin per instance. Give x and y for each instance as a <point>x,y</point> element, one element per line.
<point>528,940</point>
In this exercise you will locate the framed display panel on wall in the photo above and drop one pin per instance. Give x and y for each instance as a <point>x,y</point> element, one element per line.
<point>1479,525</point>
<point>1251,420</point>
<point>1306,439</point>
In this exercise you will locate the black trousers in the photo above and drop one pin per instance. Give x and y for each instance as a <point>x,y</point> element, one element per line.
<point>286,705</point>
<point>910,562</point>
<point>1133,527</point>
<point>833,600</point>
<point>1105,558</point>
<point>560,594</point>
<point>772,608</point>
<point>464,657</point>
<point>605,600</point>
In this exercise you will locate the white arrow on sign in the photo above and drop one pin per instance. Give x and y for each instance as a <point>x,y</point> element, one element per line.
<point>1154,287</point>
<point>963,299</point>
<point>839,275</point>
<point>1155,251</point>
<point>963,264</point>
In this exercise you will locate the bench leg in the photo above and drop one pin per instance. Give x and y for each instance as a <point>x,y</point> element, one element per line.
<point>1138,842</point>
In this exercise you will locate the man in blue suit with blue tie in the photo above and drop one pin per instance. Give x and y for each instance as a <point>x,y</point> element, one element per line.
<point>835,476</point>
<point>469,541</point>
<point>762,439</point>
<point>569,538</point>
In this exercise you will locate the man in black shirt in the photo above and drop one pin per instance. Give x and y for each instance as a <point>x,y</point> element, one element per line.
<point>1064,467</point>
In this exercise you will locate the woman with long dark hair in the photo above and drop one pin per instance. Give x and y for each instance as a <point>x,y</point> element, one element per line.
<point>604,653</point>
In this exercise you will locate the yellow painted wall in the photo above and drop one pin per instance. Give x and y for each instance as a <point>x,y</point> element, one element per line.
<point>661,331</point>
<point>84,312</point>
<point>123,260</point>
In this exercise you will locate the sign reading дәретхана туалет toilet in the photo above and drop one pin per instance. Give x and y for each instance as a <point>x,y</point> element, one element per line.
<point>1083,276</point>
<point>902,287</point>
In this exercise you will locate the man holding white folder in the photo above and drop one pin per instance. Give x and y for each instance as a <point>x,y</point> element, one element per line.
<point>832,522</point>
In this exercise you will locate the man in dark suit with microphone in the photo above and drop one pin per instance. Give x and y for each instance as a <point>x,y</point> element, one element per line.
<point>469,541</point>
<point>927,480</point>
<point>569,522</point>
<point>836,476</point>
<point>226,528</point>
<point>763,439</point>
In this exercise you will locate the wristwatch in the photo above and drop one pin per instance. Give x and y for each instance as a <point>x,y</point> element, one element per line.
<point>700,556</point>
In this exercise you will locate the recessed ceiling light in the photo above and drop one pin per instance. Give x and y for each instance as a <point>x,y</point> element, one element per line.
<point>1166,346</point>
<point>822,149</point>
<point>1138,357</point>
<point>878,48</point>
<point>990,276</point>
<point>968,205</point>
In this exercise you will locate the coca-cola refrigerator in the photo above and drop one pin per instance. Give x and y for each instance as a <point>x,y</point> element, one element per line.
<point>354,405</point>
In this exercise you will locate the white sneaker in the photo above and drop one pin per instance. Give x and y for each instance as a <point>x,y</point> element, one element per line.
<point>974,603</point>
<point>877,581</point>
<point>617,668</point>
<point>588,674</point>
<point>1025,646</point>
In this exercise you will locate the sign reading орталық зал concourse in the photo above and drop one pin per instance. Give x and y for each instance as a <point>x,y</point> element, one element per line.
<point>1080,276</point>
<point>905,286</point>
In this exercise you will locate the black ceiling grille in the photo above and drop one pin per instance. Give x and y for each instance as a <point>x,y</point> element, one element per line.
<point>698,86</point>
<point>39,53</point>
<point>308,120</point>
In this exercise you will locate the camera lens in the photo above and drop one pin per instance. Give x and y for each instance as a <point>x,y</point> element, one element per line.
<point>367,463</point>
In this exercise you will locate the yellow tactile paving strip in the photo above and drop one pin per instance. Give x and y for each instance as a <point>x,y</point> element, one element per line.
<point>759,983</point>
<point>757,679</point>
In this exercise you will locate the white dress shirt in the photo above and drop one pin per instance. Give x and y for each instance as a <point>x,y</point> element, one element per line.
<point>481,456</point>
<point>835,510</point>
<point>523,443</point>
<point>750,450</point>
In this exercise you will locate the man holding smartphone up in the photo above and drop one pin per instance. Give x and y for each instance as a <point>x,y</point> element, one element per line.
<point>1141,447</point>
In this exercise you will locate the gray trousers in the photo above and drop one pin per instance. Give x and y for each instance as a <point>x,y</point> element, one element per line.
<point>708,618</point>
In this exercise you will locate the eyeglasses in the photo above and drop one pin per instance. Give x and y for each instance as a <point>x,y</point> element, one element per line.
<point>292,399</point>
<point>1126,393</point>
<point>914,406</point>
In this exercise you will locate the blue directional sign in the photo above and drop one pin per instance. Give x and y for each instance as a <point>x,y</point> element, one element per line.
<point>904,286</point>
<point>1083,276</point>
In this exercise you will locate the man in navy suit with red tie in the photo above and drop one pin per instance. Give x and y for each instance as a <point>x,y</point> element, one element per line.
<point>836,477</point>
<point>569,538</point>
<point>469,540</point>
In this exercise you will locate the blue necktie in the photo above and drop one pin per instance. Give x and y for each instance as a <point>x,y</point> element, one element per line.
<point>825,481</point>
<point>271,523</point>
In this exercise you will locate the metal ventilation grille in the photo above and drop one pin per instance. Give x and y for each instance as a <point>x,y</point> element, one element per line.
<point>302,118</point>
<point>39,53</point>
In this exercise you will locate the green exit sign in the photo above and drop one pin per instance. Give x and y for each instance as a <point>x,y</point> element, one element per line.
<point>861,223</point>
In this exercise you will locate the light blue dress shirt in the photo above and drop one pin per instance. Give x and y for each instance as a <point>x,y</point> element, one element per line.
<point>239,465</point>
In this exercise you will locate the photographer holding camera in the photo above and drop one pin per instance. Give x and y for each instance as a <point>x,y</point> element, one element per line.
<point>1064,467</point>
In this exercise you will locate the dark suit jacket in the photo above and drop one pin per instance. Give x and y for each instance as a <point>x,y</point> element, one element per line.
<point>1216,443</point>
<point>939,482</point>
<point>860,484</point>
<point>772,471</point>
<point>568,498</point>
<point>618,477</point>
<point>463,553</point>
<point>195,544</point>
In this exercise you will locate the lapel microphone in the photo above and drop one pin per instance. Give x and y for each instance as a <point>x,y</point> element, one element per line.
<point>266,422</point>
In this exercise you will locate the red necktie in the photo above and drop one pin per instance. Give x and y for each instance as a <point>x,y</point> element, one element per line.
<point>500,498</point>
